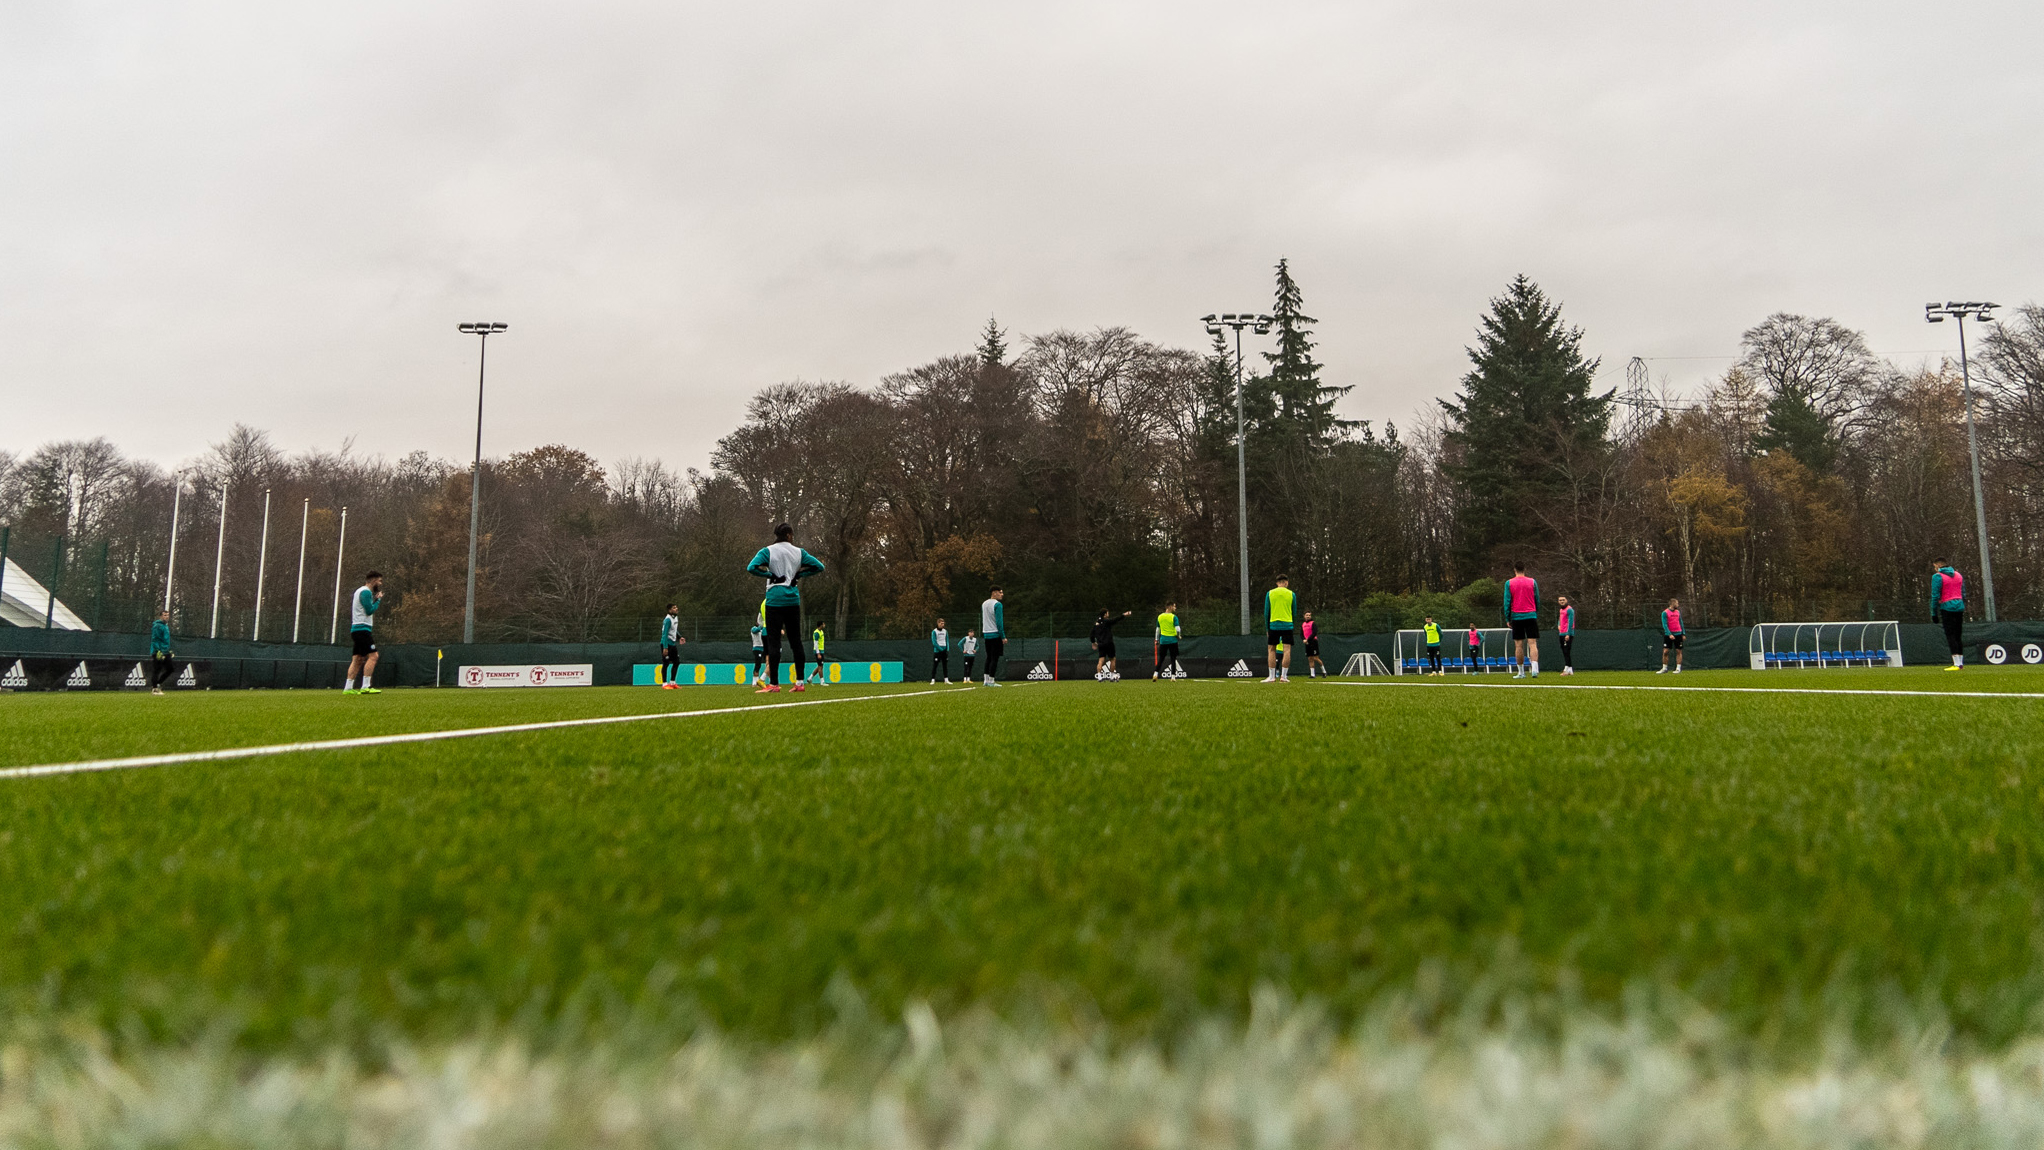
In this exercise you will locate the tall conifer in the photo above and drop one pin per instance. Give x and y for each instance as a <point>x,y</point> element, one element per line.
<point>1525,403</point>
<point>993,346</point>
<point>1304,405</point>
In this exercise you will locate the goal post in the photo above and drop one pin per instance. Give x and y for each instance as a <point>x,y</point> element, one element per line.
<point>1779,646</point>
<point>1493,651</point>
<point>1363,664</point>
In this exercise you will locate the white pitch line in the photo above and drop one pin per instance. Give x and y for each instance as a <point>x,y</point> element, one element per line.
<point>1716,690</point>
<point>139,761</point>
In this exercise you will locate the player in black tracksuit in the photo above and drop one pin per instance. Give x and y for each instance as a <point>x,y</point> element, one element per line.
<point>1103,644</point>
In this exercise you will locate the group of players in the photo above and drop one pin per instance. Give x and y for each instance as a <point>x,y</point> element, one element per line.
<point>784,564</point>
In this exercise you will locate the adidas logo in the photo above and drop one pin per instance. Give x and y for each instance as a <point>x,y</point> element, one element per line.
<point>1040,671</point>
<point>188,679</point>
<point>78,678</point>
<point>14,676</point>
<point>1241,670</point>
<point>136,678</point>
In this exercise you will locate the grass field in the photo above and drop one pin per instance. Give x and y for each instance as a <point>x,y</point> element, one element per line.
<point>1130,862</point>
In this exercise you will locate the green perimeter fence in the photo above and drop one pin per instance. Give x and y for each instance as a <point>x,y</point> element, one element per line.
<point>32,659</point>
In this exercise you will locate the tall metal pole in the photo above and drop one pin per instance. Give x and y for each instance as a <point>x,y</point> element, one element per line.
<point>298,607</point>
<point>333,633</point>
<point>1242,479</point>
<point>262,569</point>
<point>177,494</point>
<point>1979,499</point>
<point>475,498</point>
<point>219,557</point>
<point>56,577</point>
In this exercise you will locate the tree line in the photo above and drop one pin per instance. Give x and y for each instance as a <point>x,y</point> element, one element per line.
<point>1090,469</point>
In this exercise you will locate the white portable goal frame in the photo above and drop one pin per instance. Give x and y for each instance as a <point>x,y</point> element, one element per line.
<point>1874,643</point>
<point>1363,664</point>
<point>1493,651</point>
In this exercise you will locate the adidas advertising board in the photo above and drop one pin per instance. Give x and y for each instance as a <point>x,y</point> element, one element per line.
<point>71,673</point>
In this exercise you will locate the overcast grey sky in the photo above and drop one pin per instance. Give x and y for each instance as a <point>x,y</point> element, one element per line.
<point>276,213</point>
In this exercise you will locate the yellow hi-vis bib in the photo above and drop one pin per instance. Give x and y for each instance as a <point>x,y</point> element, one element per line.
<point>1280,601</point>
<point>1167,626</point>
<point>818,636</point>
<point>1433,634</point>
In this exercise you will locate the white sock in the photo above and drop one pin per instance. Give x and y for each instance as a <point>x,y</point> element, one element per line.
<point>1958,660</point>
<point>348,685</point>
<point>1536,666</point>
<point>365,680</point>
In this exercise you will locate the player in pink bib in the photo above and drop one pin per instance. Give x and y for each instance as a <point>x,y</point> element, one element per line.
<point>1671,636</point>
<point>1565,631</point>
<point>1522,614</point>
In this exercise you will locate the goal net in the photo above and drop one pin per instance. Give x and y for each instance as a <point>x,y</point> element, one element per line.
<point>1492,652</point>
<point>1774,646</point>
<point>1363,664</point>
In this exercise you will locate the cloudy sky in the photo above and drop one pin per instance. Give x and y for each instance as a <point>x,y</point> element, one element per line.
<point>277,213</point>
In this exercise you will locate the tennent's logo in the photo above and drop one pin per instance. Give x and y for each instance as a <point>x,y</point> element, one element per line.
<point>474,675</point>
<point>536,676</point>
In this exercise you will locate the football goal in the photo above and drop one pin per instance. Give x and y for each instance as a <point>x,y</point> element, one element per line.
<point>1363,664</point>
<point>1876,643</point>
<point>1492,652</point>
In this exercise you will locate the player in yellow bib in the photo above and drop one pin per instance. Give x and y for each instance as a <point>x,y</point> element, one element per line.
<point>1279,607</point>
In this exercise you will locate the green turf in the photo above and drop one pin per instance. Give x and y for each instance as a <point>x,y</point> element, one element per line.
<point>1150,851</point>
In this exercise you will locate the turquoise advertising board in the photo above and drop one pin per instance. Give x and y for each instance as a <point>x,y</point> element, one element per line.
<point>740,674</point>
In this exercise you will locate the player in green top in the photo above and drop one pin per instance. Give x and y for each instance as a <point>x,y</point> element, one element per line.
<point>362,615</point>
<point>159,652</point>
<point>1169,630</point>
<point>1433,635</point>
<point>1278,606</point>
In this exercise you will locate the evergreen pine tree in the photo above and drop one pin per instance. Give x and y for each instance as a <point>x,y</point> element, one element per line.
<point>1216,403</point>
<point>1525,402</point>
<point>993,347</point>
<point>1794,425</point>
<point>1304,406</point>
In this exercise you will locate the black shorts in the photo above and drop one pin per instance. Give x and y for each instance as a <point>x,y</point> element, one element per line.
<point>1672,642</point>
<point>1105,650</point>
<point>1279,638</point>
<point>365,643</point>
<point>1167,650</point>
<point>1312,646</point>
<point>1525,628</point>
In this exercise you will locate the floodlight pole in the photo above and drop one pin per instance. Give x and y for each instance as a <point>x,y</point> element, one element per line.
<point>1261,325</point>
<point>1982,312</point>
<point>475,478</point>
<point>333,632</point>
<point>298,606</point>
<point>219,557</point>
<point>177,494</point>
<point>262,569</point>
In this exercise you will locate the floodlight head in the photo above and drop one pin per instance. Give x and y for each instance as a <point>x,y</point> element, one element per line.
<point>1208,318</point>
<point>1933,317</point>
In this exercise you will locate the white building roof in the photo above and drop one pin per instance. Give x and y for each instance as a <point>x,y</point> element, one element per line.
<point>25,602</point>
